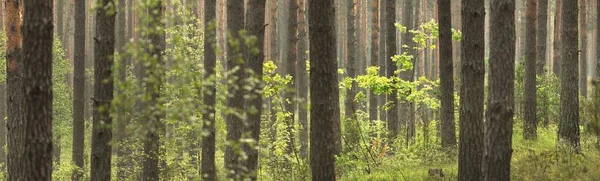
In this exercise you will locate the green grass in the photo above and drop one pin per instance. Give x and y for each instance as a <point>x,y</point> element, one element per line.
<point>531,160</point>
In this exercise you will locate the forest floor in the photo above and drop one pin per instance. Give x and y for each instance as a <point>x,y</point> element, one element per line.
<point>531,160</point>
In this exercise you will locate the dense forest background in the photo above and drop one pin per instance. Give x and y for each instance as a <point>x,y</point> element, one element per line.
<point>300,90</point>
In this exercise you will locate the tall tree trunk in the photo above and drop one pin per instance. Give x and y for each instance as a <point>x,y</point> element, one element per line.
<point>568,128</point>
<point>37,89</point>
<point>373,99</point>
<point>530,98</point>
<point>446,75</point>
<point>302,78</point>
<point>583,51</point>
<point>557,38</point>
<point>324,110</point>
<point>255,26</point>
<point>390,36</point>
<point>79,89</point>
<point>60,6</point>
<point>121,135</point>
<point>498,138</point>
<point>235,23</point>
<point>208,169</point>
<point>155,78</point>
<point>382,56</point>
<point>542,39</point>
<point>471,93</point>
<point>103,93</point>
<point>406,107</point>
<point>290,69</point>
<point>597,82</point>
<point>351,67</point>
<point>15,125</point>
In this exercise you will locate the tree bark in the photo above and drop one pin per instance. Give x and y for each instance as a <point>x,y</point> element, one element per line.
<point>390,36</point>
<point>290,69</point>
<point>407,109</point>
<point>568,128</point>
<point>208,169</point>
<point>38,33</point>
<point>530,98</point>
<point>500,109</point>
<point>471,93</point>
<point>542,39</point>
<point>557,38</point>
<point>256,27</point>
<point>382,56</point>
<point>302,78</point>
<point>374,99</point>
<point>103,93</point>
<point>235,23</point>
<point>446,75</point>
<point>597,90</point>
<point>324,90</point>
<point>155,78</point>
<point>583,51</point>
<point>15,122</point>
<point>79,89</point>
<point>351,106</point>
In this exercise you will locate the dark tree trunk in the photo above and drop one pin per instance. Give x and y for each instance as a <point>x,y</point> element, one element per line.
<point>14,102</point>
<point>37,89</point>
<point>208,170</point>
<point>583,52</point>
<point>530,98</point>
<point>557,38</point>
<point>406,107</point>
<point>446,75</point>
<point>155,78</point>
<point>382,56</point>
<point>235,23</point>
<point>471,93</point>
<point>103,93</point>
<point>256,27</point>
<point>302,78</point>
<point>390,36</point>
<point>373,99</point>
<point>542,37</point>
<point>568,128</point>
<point>351,67</point>
<point>79,89</point>
<point>122,150</point>
<point>3,89</point>
<point>597,82</point>
<point>499,124</point>
<point>60,6</point>
<point>324,111</point>
<point>290,69</point>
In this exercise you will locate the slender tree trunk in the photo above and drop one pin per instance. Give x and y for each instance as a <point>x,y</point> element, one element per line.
<point>37,89</point>
<point>103,93</point>
<point>406,107</point>
<point>568,128</point>
<point>302,78</point>
<point>15,122</point>
<point>235,23</point>
<point>79,89</point>
<point>530,98</point>
<point>324,90</point>
<point>382,56</point>
<point>350,106</point>
<point>155,78</point>
<point>542,39</point>
<point>446,75</point>
<point>208,169</point>
<point>583,51</point>
<point>390,31</point>
<point>557,38</point>
<point>374,99</point>
<point>597,82</point>
<point>255,26</point>
<point>471,93</point>
<point>499,123</point>
<point>290,69</point>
